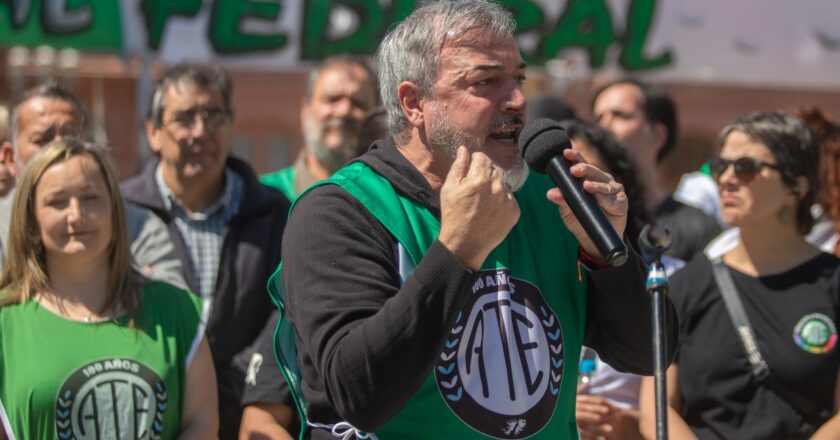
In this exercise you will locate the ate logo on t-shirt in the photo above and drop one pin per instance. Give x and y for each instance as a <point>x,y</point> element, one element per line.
<point>501,365</point>
<point>111,398</point>
<point>815,333</point>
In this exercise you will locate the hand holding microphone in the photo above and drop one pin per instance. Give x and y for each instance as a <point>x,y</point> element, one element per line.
<point>596,200</point>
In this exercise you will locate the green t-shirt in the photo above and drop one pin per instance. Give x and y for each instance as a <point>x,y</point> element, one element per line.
<point>283,180</point>
<point>66,379</point>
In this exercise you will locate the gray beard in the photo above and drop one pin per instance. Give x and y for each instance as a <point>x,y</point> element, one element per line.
<point>446,137</point>
<point>330,158</point>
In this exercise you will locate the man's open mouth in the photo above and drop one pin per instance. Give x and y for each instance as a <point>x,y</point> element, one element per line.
<point>506,133</point>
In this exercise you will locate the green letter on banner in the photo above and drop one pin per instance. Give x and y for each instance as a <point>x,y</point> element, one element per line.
<point>157,13</point>
<point>527,14</point>
<point>369,21</point>
<point>225,23</point>
<point>81,24</point>
<point>639,21</point>
<point>584,23</point>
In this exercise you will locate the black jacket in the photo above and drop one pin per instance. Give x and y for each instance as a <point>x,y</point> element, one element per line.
<point>250,254</point>
<point>366,341</point>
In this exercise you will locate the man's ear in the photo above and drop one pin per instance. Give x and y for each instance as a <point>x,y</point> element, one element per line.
<point>660,134</point>
<point>411,102</point>
<point>7,157</point>
<point>152,134</point>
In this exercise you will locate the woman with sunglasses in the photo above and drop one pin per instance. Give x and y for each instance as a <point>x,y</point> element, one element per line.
<point>767,176</point>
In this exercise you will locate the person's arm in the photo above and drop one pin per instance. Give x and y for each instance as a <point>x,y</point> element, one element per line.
<point>677,428</point>
<point>831,428</point>
<point>152,248</point>
<point>597,418</point>
<point>372,340</point>
<point>269,411</point>
<point>200,415</point>
<point>266,421</point>
<point>591,415</point>
<point>615,292</point>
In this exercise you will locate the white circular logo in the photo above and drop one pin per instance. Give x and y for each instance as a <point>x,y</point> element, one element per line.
<point>502,363</point>
<point>111,399</point>
<point>501,329</point>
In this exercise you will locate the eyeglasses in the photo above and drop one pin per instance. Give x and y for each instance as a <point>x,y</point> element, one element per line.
<point>746,168</point>
<point>212,118</point>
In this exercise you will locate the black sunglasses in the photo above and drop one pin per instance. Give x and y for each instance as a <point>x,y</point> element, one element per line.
<point>746,168</point>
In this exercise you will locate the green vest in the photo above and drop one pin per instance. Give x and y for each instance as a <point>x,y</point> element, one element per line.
<point>503,371</point>
<point>283,180</point>
<point>65,379</point>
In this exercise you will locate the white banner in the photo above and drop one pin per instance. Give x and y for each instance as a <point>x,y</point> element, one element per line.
<point>790,43</point>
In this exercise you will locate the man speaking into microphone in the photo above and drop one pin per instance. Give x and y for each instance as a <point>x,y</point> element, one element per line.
<point>437,289</point>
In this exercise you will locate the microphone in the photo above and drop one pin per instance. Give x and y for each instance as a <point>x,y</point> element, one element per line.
<point>542,143</point>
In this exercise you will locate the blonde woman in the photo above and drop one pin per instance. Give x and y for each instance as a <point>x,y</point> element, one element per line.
<point>88,348</point>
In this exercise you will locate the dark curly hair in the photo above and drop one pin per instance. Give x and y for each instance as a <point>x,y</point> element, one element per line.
<point>622,168</point>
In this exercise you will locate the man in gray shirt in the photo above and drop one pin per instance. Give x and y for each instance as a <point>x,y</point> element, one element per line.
<point>226,226</point>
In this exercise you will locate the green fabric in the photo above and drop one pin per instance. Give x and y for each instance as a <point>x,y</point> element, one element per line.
<point>61,378</point>
<point>84,25</point>
<point>283,180</point>
<point>705,169</point>
<point>540,252</point>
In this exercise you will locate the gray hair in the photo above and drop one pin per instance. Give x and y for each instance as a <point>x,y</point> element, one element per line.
<point>340,60</point>
<point>411,51</point>
<point>51,90</point>
<point>204,76</point>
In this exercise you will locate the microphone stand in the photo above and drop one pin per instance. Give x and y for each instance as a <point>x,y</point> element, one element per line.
<point>653,244</point>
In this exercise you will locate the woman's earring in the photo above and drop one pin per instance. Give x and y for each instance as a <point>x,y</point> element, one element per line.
<point>786,214</point>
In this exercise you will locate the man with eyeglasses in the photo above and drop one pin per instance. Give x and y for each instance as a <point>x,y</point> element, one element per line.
<point>49,112</point>
<point>644,119</point>
<point>225,225</point>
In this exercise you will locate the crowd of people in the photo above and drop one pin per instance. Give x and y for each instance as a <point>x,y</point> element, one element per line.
<point>408,276</point>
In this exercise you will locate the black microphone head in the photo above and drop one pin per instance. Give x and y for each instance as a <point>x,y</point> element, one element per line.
<point>541,140</point>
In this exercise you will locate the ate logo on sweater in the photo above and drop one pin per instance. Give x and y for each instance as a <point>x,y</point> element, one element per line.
<point>111,398</point>
<point>501,365</point>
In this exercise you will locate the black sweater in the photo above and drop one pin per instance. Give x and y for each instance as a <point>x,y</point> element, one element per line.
<point>250,254</point>
<point>366,342</point>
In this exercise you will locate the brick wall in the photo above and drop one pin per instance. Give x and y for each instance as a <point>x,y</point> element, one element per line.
<point>267,129</point>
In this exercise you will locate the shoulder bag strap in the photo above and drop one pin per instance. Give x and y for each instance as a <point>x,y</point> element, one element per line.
<point>760,369</point>
<point>735,307</point>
